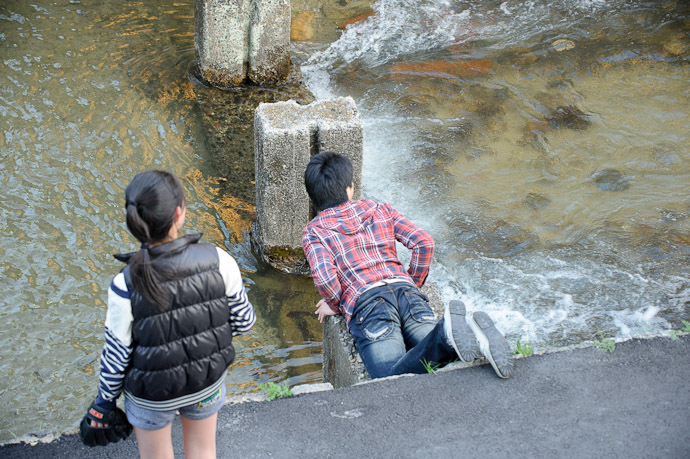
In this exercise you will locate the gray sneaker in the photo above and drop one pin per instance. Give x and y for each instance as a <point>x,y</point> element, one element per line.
<point>492,344</point>
<point>457,331</point>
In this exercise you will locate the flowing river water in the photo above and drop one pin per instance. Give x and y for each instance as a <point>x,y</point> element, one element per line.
<point>543,144</point>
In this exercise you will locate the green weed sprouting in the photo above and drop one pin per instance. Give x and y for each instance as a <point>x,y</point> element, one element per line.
<point>274,391</point>
<point>675,334</point>
<point>523,349</point>
<point>605,344</point>
<point>686,328</point>
<point>430,367</point>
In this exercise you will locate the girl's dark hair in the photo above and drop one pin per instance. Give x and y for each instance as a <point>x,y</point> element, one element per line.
<point>326,178</point>
<point>151,199</point>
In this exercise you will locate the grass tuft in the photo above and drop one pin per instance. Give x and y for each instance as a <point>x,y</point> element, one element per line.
<point>675,334</point>
<point>523,349</point>
<point>430,367</point>
<point>686,328</point>
<point>605,344</point>
<point>275,391</point>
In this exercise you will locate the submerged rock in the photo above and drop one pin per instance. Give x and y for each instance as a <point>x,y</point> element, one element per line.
<point>568,116</point>
<point>562,44</point>
<point>302,26</point>
<point>672,216</point>
<point>676,47</point>
<point>611,180</point>
<point>668,158</point>
<point>441,69</point>
<point>356,19</point>
<point>537,201</point>
<point>507,239</point>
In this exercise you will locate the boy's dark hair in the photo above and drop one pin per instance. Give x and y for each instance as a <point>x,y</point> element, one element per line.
<point>326,178</point>
<point>150,201</point>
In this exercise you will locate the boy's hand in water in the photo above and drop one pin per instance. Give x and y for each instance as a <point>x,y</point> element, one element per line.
<point>323,310</point>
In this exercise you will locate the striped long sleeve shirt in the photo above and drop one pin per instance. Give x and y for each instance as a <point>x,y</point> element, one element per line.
<point>118,347</point>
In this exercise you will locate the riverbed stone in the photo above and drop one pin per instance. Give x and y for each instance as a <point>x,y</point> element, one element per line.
<point>568,116</point>
<point>359,18</point>
<point>286,136</point>
<point>537,201</point>
<point>563,44</point>
<point>668,158</point>
<point>302,27</point>
<point>611,180</point>
<point>673,216</point>
<point>677,46</point>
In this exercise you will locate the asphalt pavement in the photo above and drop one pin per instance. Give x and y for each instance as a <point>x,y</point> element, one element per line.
<point>581,403</point>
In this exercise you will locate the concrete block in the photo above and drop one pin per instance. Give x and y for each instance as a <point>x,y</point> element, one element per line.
<point>310,388</point>
<point>286,135</point>
<point>342,365</point>
<point>269,41</point>
<point>221,40</point>
<point>239,39</point>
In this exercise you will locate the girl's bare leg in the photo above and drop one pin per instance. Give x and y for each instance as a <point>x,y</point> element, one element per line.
<point>155,444</point>
<point>199,437</point>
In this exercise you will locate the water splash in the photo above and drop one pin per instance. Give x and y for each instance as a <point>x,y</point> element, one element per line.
<point>404,27</point>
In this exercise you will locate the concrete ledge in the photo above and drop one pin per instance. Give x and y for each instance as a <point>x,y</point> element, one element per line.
<point>342,365</point>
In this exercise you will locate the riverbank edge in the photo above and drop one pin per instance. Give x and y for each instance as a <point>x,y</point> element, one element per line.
<point>49,437</point>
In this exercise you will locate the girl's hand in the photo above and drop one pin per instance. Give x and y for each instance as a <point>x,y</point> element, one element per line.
<point>323,310</point>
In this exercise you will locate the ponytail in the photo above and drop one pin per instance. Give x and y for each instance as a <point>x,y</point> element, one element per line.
<point>150,201</point>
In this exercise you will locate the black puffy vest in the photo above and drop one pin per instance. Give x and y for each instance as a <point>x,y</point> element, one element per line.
<point>187,346</point>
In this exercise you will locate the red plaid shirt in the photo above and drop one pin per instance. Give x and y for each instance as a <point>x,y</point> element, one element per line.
<point>352,246</point>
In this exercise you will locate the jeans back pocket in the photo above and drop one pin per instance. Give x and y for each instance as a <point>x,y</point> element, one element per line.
<point>375,321</point>
<point>419,307</point>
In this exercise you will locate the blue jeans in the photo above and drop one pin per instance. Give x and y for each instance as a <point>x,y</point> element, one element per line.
<point>395,331</point>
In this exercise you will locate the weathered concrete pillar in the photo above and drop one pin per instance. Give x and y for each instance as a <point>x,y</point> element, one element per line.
<point>342,365</point>
<point>286,135</point>
<point>269,41</point>
<point>239,39</point>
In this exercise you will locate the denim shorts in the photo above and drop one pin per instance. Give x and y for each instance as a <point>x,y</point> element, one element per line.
<point>146,419</point>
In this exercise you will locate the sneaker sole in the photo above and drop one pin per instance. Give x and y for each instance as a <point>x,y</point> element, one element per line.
<point>493,345</point>
<point>463,340</point>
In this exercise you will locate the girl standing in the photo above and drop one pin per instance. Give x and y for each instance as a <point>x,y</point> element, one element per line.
<point>172,313</point>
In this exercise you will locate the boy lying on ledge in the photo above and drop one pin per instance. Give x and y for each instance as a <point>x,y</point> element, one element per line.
<point>350,246</point>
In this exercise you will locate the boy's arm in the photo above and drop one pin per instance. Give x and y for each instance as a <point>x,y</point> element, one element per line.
<point>418,241</point>
<point>323,271</point>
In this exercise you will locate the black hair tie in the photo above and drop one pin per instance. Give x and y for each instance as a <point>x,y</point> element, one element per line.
<point>144,246</point>
<point>131,203</point>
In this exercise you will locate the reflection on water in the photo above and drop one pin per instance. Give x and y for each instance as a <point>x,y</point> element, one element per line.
<point>545,146</point>
<point>92,93</point>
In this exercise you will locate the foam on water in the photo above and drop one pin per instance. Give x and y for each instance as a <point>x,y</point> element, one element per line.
<point>401,27</point>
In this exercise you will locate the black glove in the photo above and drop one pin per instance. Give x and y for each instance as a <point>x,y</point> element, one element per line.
<point>118,427</point>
